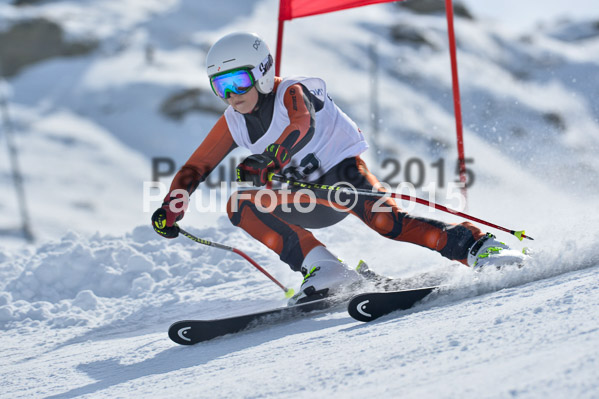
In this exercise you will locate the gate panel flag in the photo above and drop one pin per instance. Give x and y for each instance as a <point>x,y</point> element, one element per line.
<point>290,9</point>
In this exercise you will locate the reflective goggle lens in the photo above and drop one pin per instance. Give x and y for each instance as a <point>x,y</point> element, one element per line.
<point>239,82</point>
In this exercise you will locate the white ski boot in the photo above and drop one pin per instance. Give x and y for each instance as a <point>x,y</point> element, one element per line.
<point>488,251</point>
<point>324,275</point>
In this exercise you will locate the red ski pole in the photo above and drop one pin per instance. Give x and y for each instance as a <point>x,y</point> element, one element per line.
<point>288,291</point>
<point>314,186</point>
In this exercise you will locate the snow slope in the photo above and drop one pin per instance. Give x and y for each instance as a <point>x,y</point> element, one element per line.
<point>90,317</point>
<point>77,177</point>
<point>84,311</point>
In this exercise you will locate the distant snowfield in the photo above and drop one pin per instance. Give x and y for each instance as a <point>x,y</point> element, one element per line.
<point>76,175</point>
<point>84,311</point>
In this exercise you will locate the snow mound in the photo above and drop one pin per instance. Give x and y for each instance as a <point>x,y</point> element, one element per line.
<point>91,281</point>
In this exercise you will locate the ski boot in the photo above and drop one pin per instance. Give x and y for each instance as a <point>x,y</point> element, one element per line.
<point>488,251</point>
<point>324,276</point>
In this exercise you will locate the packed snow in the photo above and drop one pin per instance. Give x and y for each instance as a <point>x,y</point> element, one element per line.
<point>84,309</point>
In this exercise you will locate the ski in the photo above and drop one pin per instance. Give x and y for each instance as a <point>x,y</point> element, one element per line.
<point>372,305</point>
<point>364,307</point>
<point>190,332</point>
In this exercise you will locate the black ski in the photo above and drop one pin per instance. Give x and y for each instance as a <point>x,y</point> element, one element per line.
<point>189,332</point>
<point>371,305</point>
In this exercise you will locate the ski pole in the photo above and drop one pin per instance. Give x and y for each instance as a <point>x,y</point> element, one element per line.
<point>520,234</point>
<point>288,291</point>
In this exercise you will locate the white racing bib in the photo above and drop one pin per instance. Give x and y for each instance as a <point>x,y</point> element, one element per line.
<point>336,136</point>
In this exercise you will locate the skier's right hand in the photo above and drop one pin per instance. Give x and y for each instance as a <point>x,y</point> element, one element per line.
<point>165,218</point>
<point>160,224</point>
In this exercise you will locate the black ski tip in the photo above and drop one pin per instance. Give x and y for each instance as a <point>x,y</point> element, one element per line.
<point>181,333</point>
<point>190,332</point>
<point>372,305</point>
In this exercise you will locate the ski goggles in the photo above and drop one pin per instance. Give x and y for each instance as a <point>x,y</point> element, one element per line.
<point>239,80</point>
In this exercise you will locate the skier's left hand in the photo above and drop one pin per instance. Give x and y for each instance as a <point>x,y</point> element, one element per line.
<point>256,167</point>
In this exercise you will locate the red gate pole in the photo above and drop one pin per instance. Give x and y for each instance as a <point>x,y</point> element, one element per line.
<point>279,47</point>
<point>456,95</point>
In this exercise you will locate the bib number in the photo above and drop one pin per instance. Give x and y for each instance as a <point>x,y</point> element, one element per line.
<point>309,164</point>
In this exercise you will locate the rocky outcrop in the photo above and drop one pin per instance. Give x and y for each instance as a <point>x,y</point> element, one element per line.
<point>403,33</point>
<point>434,7</point>
<point>177,105</point>
<point>30,41</point>
<point>26,2</point>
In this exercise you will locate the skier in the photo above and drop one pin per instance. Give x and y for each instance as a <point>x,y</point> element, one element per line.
<point>293,127</point>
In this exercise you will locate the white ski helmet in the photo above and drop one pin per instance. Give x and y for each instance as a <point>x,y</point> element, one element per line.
<point>243,50</point>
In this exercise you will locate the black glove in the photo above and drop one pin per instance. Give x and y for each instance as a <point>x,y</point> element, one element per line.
<point>164,218</point>
<point>257,167</point>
